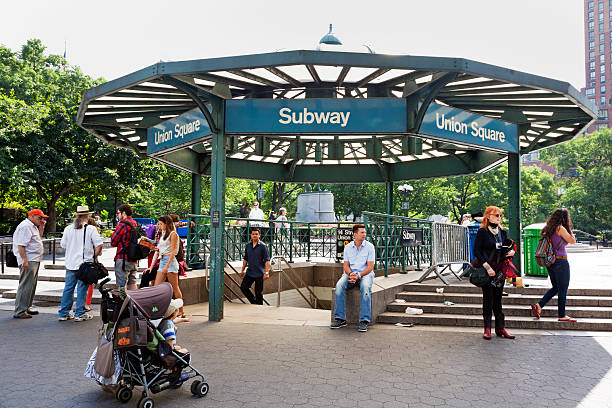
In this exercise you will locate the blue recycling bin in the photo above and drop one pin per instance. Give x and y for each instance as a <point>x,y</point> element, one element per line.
<point>473,230</point>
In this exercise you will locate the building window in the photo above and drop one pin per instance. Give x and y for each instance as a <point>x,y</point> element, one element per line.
<point>590,91</point>
<point>591,25</point>
<point>602,69</point>
<point>592,53</point>
<point>590,5</point>
<point>602,89</point>
<point>591,45</point>
<point>610,24</point>
<point>601,27</point>
<point>603,113</point>
<point>591,35</point>
<point>592,83</point>
<point>601,16</point>
<point>602,37</point>
<point>592,65</point>
<point>600,6</point>
<point>602,101</point>
<point>602,58</point>
<point>602,47</point>
<point>592,75</point>
<point>602,79</point>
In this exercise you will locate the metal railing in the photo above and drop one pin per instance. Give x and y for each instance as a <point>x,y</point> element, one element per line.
<point>312,302</point>
<point>290,239</point>
<point>6,246</point>
<point>384,231</point>
<point>450,245</point>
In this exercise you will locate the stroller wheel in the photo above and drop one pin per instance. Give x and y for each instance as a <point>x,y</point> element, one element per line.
<point>199,388</point>
<point>146,402</point>
<point>123,394</point>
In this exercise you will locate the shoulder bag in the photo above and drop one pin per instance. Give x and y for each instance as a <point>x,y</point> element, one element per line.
<point>90,272</point>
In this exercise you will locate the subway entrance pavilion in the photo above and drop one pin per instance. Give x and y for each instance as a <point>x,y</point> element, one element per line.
<point>332,117</point>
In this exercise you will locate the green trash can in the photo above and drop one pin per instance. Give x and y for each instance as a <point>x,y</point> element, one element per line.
<point>531,236</point>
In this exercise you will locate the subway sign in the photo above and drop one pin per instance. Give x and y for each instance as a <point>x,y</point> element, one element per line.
<point>181,131</point>
<point>348,116</point>
<point>316,116</point>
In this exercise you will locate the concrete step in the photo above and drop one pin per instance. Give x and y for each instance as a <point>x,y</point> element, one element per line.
<point>468,288</point>
<point>50,296</point>
<point>511,299</point>
<point>545,323</point>
<point>12,276</point>
<point>509,310</point>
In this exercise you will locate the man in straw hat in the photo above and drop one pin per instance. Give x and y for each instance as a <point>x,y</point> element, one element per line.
<point>28,249</point>
<point>82,244</point>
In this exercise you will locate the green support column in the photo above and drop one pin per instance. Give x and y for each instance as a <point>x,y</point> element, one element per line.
<point>389,197</point>
<point>514,205</point>
<point>217,212</point>
<point>196,193</point>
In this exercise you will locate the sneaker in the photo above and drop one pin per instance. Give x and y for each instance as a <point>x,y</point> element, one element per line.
<point>83,317</point>
<point>338,324</point>
<point>363,326</point>
<point>69,316</point>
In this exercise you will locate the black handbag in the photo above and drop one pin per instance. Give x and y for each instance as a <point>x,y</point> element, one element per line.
<point>479,277</point>
<point>11,259</point>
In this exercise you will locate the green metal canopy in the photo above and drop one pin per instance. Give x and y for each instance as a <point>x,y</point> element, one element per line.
<point>547,112</point>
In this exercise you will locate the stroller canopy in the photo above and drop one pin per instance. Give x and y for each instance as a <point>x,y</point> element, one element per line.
<point>152,301</point>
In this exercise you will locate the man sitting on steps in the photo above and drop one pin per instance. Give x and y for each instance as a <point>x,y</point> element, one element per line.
<point>359,257</point>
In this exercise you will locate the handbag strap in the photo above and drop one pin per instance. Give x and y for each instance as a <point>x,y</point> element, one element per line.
<point>84,235</point>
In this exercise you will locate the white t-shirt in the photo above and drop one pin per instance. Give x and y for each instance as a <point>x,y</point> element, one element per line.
<point>72,241</point>
<point>164,245</point>
<point>27,235</point>
<point>257,214</point>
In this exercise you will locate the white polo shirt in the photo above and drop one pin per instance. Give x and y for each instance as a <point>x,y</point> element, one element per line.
<point>27,235</point>
<point>72,241</point>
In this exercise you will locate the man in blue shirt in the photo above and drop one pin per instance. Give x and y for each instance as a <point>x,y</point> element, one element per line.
<point>257,257</point>
<point>359,257</point>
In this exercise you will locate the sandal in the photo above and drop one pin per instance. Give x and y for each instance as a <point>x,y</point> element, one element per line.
<point>536,311</point>
<point>567,319</point>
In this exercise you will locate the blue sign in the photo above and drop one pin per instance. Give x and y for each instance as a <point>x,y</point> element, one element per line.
<point>470,128</point>
<point>177,132</point>
<point>316,116</point>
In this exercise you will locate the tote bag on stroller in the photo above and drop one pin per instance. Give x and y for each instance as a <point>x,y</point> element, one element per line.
<point>131,331</point>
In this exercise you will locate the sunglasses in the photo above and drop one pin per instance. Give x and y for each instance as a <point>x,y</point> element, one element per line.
<point>496,215</point>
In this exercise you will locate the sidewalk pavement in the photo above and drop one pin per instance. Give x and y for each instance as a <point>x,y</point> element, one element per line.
<point>289,363</point>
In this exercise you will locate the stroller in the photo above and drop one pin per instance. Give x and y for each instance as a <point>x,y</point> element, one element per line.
<point>146,359</point>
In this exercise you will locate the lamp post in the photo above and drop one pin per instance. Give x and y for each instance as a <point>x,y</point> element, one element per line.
<point>405,189</point>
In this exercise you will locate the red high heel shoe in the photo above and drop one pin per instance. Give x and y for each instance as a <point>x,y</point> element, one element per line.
<point>487,333</point>
<point>503,333</point>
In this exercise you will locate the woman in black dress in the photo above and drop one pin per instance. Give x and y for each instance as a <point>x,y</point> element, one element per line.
<point>488,254</point>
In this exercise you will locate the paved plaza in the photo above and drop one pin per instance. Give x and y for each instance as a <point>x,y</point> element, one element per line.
<point>308,365</point>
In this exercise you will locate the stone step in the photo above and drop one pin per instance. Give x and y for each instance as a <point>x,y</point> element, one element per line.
<point>509,310</point>
<point>12,276</point>
<point>536,291</point>
<point>545,323</point>
<point>511,299</point>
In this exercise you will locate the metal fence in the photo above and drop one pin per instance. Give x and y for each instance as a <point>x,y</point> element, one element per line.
<point>384,231</point>
<point>289,239</point>
<point>293,239</point>
<point>450,246</point>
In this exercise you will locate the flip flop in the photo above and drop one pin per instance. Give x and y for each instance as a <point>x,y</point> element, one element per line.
<point>567,319</point>
<point>535,312</point>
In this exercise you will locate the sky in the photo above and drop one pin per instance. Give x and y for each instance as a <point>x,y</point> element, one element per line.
<point>113,38</point>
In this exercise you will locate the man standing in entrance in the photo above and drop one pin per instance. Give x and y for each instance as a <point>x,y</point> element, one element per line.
<point>125,269</point>
<point>28,249</point>
<point>359,258</point>
<point>257,257</point>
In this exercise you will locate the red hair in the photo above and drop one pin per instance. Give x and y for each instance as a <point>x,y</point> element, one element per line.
<point>490,210</point>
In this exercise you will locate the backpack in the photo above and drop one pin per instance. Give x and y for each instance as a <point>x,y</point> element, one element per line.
<point>545,254</point>
<point>134,250</point>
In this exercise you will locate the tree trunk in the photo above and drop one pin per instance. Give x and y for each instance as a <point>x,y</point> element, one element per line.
<point>52,213</point>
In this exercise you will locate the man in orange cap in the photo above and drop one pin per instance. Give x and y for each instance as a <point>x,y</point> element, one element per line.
<point>28,249</point>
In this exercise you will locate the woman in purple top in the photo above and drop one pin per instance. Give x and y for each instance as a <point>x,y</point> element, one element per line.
<point>559,229</point>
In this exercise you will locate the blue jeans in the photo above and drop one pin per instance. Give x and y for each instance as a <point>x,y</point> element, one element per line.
<point>68,295</point>
<point>559,274</point>
<point>365,287</point>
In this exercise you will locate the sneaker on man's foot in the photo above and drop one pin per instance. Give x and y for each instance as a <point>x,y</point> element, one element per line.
<point>338,324</point>
<point>363,326</point>
<point>83,317</point>
<point>69,316</point>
